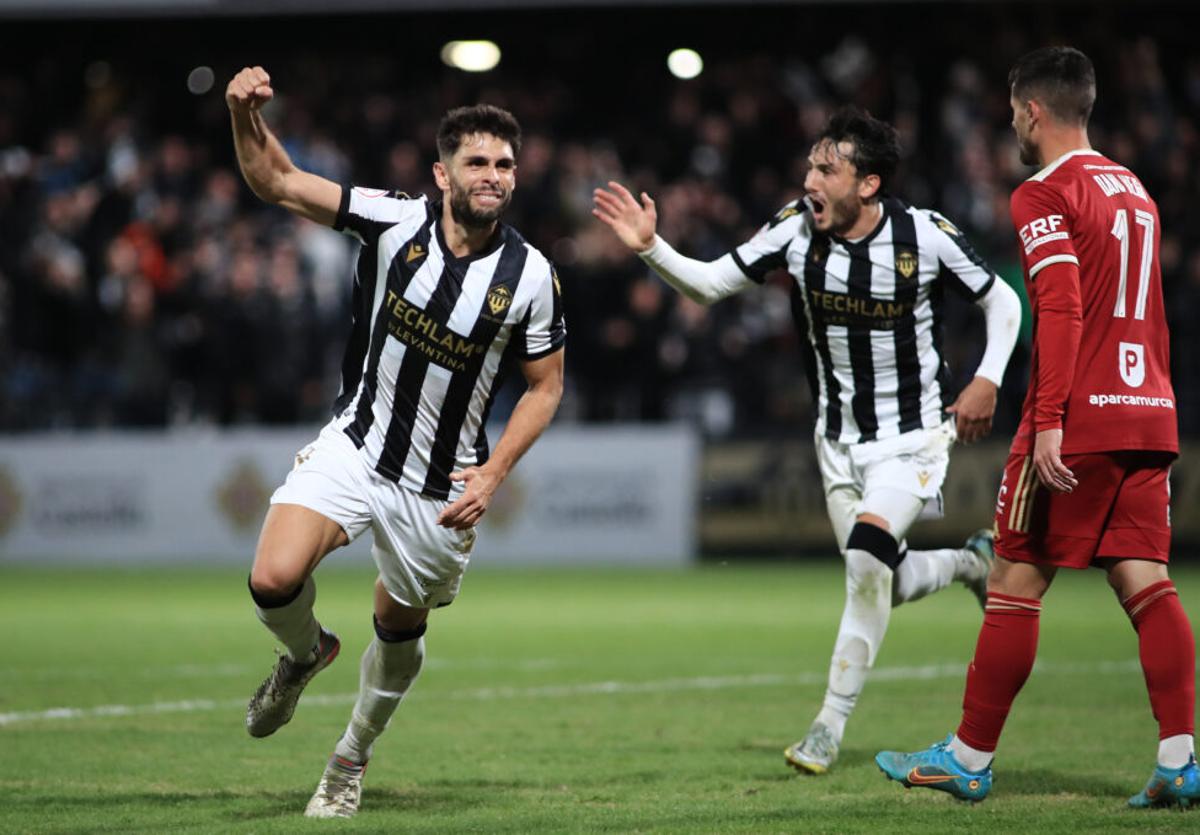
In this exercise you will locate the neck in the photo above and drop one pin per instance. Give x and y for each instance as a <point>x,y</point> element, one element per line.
<point>868,219</point>
<point>1062,141</point>
<point>464,240</point>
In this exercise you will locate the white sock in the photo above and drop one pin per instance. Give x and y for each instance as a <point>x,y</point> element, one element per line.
<point>388,669</point>
<point>972,759</point>
<point>1175,751</point>
<point>294,624</point>
<point>924,572</point>
<point>864,622</point>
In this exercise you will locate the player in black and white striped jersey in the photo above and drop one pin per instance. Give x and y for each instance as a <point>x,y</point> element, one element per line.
<point>446,298</point>
<point>868,278</point>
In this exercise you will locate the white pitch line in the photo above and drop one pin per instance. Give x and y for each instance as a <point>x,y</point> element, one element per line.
<point>9,675</point>
<point>553,691</point>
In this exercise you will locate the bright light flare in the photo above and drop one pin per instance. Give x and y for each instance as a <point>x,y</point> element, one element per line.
<point>685,63</point>
<point>471,56</point>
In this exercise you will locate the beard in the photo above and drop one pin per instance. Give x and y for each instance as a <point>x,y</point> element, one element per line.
<point>843,215</point>
<point>465,214</point>
<point>1027,151</point>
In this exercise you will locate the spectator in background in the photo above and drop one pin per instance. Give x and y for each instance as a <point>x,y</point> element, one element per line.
<point>116,161</point>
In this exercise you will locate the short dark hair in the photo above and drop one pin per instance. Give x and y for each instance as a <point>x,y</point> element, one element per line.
<point>479,118</point>
<point>1060,77</point>
<point>876,143</point>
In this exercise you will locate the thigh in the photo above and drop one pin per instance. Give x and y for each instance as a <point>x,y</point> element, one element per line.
<point>318,508</point>
<point>896,507</point>
<point>331,479</point>
<point>293,540</point>
<point>1035,525</point>
<point>420,563</point>
<point>1139,526</point>
<point>393,615</point>
<point>905,474</point>
<point>843,491</point>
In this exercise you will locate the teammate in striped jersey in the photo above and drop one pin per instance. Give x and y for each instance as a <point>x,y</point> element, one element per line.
<point>869,274</point>
<point>1086,483</point>
<point>446,297</point>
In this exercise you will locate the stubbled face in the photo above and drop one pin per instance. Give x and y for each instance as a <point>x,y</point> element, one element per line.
<point>832,187</point>
<point>1022,123</point>
<point>478,181</point>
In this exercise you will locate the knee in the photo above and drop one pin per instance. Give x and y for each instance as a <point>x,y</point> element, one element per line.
<point>876,541</point>
<point>1128,577</point>
<point>270,581</point>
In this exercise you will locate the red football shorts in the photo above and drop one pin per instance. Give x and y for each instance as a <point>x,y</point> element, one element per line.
<point>1119,509</point>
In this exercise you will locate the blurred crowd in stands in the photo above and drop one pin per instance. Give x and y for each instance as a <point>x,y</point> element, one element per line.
<point>141,284</point>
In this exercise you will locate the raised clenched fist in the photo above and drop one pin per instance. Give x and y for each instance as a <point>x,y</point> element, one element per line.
<point>249,90</point>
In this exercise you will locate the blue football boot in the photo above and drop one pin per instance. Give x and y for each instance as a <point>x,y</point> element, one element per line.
<point>1170,787</point>
<point>936,768</point>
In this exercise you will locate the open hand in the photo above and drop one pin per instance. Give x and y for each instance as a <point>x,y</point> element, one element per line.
<point>634,223</point>
<point>1050,468</point>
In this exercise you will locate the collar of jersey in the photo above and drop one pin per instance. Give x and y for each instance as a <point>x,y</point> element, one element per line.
<point>1050,169</point>
<point>497,240</point>
<point>870,236</point>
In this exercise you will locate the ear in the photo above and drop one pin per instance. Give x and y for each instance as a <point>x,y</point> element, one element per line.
<point>1034,109</point>
<point>868,186</point>
<point>440,176</point>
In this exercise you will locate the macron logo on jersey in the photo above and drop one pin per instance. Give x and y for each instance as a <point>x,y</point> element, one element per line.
<point>1042,231</point>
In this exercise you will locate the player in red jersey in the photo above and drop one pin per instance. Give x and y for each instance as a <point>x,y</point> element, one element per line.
<point>1086,480</point>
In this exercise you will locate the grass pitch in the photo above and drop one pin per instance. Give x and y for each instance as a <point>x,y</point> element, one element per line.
<point>552,701</point>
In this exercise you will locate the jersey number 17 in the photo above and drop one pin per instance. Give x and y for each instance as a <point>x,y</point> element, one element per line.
<point>1120,231</point>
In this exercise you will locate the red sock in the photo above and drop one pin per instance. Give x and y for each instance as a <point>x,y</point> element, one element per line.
<point>1168,652</point>
<point>1003,658</point>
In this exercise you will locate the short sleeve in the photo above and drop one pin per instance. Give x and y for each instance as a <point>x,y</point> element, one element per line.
<point>366,213</point>
<point>543,329</point>
<point>1043,226</point>
<point>767,250</point>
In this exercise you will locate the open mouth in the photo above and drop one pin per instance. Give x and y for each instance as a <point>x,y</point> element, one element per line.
<point>816,206</point>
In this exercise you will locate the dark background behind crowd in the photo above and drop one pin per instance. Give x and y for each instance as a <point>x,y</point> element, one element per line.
<point>141,284</point>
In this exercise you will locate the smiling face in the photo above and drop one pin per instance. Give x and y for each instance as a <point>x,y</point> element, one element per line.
<point>478,180</point>
<point>834,188</point>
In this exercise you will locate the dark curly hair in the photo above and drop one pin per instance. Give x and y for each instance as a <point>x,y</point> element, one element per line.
<point>479,118</point>
<point>876,146</point>
<point>1061,78</point>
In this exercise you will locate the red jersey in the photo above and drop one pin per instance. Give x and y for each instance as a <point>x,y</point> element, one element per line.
<point>1101,356</point>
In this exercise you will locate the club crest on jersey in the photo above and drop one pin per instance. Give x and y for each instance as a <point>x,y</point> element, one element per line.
<point>785,213</point>
<point>1132,363</point>
<point>415,252</point>
<point>947,227</point>
<point>498,299</point>
<point>906,263</point>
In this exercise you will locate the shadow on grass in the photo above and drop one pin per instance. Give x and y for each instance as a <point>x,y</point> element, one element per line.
<point>1041,781</point>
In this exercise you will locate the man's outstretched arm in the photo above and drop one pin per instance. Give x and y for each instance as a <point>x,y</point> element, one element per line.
<point>268,169</point>
<point>701,281</point>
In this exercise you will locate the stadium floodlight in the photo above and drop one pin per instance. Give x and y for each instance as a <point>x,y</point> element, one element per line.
<point>685,63</point>
<point>471,56</point>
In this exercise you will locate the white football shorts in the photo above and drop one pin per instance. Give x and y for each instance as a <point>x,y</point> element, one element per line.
<point>420,562</point>
<point>897,478</point>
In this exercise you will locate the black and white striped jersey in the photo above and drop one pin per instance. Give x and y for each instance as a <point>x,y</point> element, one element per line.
<point>872,309</point>
<point>433,335</point>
